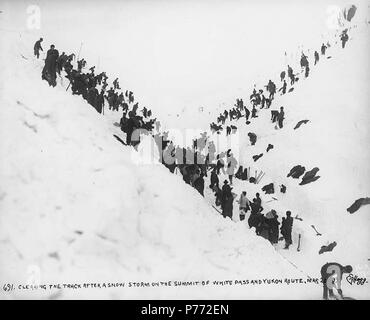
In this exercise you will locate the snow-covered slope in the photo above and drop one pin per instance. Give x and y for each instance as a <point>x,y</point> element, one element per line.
<point>75,207</point>
<point>335,99</point>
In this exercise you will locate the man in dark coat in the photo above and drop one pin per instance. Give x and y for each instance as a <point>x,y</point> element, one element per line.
<point>37,47</point>
<point>226,194</point>
<point>227,210</point>
<point>214,179</point>
<point>256,217</point>
<point>263,229</point>
<point>316,54</point>
<point>286,229</point>
<point>258,199</point>
<point>323,49</point>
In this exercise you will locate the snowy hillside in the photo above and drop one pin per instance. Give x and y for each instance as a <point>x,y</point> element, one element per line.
<point>77,206</point>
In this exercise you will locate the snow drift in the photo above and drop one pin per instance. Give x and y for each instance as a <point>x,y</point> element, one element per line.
<point>76,208</point>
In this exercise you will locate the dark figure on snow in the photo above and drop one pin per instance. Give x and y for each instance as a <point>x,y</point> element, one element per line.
<point>247,114</point>
<point>116,84</point>
<point>317,57</point>
<point>286,229</point>
<point>344,38</point>
<point>281,117</point>
<point>358,204</point>
<point>255,218</point>
<point>273,226</point>
<point>214,180</point>
<point>49,71</point>
<point>283,88</point>
<point>218,195</point>
<point>310,176</point>
<point>323,49</point>
<point>255,98</point>
<point>37,47</point>
<point>331,276</point>
<point>274,115</point>
<point>258,199</point>
<point>220,164</point>
<point>296,171</point>
<point>271,88</point>
<point>304,61</point>
<point>282,75</point>
<point>227,200</point>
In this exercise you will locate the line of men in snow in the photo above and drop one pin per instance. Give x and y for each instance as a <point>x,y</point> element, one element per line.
<point>85,84</point>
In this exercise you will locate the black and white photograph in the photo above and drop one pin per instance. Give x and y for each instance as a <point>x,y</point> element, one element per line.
<point>184,150</point>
